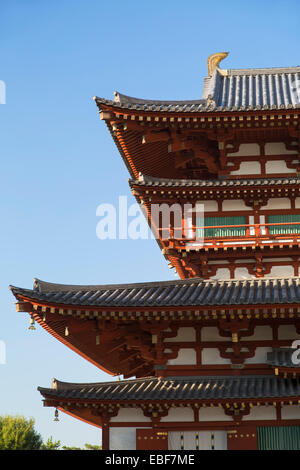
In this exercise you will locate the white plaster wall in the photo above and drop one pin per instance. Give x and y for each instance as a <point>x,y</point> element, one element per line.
<point>261,413</point>
<point>242,273</point>
<point>213,414</point>
<point>212,356</point>
<point>211,333</point>
<point>248,168</point>
<point>290,412</point>
<point>261,333</point>
<point>248,260</point>
<point>262,220</point>
<point>281,271</point>
<point>278,203</point>
<point>235,205</point>
<point>183,334</point>
<point>223,261</point>
<point>277,259</point>
<point>297,202</point>
<point>246,150</point>
<point>179,414</point>
<point>287,332</point>
<point>278,166</point>
<point>185,357</point>
<point>209,206</point>
<point>222,273</point>
<point>130,415</point>
<point>189,439</point>
<point>278,148</point>
<point>259,357</point>
<point>122,438</point>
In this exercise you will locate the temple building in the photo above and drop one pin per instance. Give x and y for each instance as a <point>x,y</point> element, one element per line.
<point>208,360</point>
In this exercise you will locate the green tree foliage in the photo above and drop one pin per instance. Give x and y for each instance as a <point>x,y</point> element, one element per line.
<point>18,433</point>
<point>86,447</point>
<point>92,447</point>
<point>51,445</point>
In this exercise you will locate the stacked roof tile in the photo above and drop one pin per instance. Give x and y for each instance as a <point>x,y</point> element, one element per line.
<point>187,292</point>
<point>178,388</point>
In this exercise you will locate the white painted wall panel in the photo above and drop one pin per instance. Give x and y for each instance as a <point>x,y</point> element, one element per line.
<point>261,333</point>
<point>260,356</point>
<point>288,332</point>
<point>179,414</point>
<point>248,168</point>
<point>213,414</point>
<point>277,203</point>
<point>211,333</point>
<point>290,412</point>
<point>185,357</point>
<point>242,273</point>
<point>212,356</point>
<point>209,206</point>
<point>183,334</point>
<point>130,415</point>
<point>278,148</point>
<point>281,271</point>
<point>235,205</point>
<point>246,150</point>
<point>278,166</point>
<point>222,273</point>
<point>261,413</point>
<point>122,438</point>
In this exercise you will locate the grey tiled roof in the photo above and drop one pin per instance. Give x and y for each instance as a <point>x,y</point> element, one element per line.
<point>281,357</point>
<point>128,102</point>
<point>248,89</point>
<point>232,90</point>
<point>187,292</point>
<point>178,388</point>
<point>144,180</point>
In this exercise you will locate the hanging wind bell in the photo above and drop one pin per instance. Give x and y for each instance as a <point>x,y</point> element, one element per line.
<point>66,331</point>
<point>56,415</point>
<point>31,327</point>
<point>97,340</point>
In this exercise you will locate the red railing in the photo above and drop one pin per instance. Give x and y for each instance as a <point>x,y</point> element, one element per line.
<point>256,237</point>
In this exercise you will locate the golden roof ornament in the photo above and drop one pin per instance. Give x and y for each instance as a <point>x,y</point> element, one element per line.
<point>213,62</point>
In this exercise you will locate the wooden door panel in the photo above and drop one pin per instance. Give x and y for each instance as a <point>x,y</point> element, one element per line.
<point>148,439</point>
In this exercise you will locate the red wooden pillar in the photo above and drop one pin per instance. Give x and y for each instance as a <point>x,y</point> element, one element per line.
<point>105,435</point>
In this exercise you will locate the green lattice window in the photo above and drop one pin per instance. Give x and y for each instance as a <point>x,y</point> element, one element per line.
<point>221,232</point>
<point>278,437</point>
<point>278,229</point>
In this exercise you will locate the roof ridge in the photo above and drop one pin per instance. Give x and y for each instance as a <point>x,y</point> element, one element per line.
<point>43,286</point>
<point>147,178</point>
<point>263,70</point>
<point>181,378</point>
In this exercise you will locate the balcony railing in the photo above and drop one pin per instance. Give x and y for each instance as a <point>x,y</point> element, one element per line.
<point>256,234</point>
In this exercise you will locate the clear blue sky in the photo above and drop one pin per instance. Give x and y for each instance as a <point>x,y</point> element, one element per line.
<point>58,161</point>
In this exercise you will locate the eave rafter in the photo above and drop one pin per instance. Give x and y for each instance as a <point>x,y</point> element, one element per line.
<point>101,411</point>
<point>179,133</point>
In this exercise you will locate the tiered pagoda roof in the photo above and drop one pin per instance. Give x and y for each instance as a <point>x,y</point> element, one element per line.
<point>178,388</point>
<point>227,90</point>
<point>180,293</point>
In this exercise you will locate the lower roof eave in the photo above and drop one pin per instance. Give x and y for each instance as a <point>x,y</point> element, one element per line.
<point>206,389</point>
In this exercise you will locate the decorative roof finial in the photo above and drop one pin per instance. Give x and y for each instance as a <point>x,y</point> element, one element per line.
<point>213,62</point>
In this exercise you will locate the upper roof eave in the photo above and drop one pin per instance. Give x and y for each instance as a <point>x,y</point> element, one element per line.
<point>149,181</point>
<point>207,107</point>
